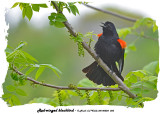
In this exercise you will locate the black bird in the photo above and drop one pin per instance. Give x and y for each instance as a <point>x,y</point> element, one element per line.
<point>111,50</point>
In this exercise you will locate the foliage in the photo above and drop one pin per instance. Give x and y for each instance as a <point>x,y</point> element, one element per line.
<point>141,82</point>
<point>79,39</point>
<point>138,30</point>
<point>57,19</point>
<point>22,61</point>
<point>27,9</point>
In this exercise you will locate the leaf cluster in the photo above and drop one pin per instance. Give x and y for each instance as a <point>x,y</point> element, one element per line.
<point>13,90</point>
<point>27,9</point>
<point>138,31</point>
<point>20,60</point>
<point>58,19</point>
<point>141,82</point>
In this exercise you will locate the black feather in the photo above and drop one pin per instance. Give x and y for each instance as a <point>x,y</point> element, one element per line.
<point>110,51</point>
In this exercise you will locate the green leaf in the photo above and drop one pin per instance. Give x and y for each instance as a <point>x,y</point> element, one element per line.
<point>24,4</point>
<point>15,100</point>
<point>64,95</point>
<point>150,78</point>
<point>30,70</point>
<point>51,22</point>
<point>124,32</point>
<point>149,84</point>
<point>86,83</point>
<point>12,55</point>
<point>139,73</point>
<point>52,16</point>
<point>39,72</point>
<point>11,88</point>
<point>43,5</point>
<point>58,24</point>
<point>24,12</point>
<point>20,45</point>
<point>36,7</point>
<point>136,90</point>
<point>120,97</point>
<point>133,79</point>
<point>29,12</point>
<point>6,95</point>
<point>73,93</point>
<point>21,81</point>
<point>68,9</point>
<point>137,84</point>
<point>73,8</point>
<point>8,50</point>
<point>148,98</point>
<point>143,22</point>
<point>146,91</point>
<point>35,65</point>
<point>49,101</point>
<point>15,4</point>
<point>132,47</point>
<point>20,53</point>
<point>40,100</point>
<point>20,6</point>
<point>60,17</point>
<point>11,99</point>
<point>53,68</point>
<point>155,27</point>
<point>29,56</point>
<point>57,20</point>
<point>55,72</point>
<point>14,76</point>
<point>137,98</point>
<point>94,96</point>
<point>152,67</point>
<point>21,92</point>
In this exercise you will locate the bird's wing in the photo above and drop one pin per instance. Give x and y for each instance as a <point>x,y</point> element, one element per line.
<point>121,61</point>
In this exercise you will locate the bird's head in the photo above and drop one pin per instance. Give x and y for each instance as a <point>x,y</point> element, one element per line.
<point>109,29</point>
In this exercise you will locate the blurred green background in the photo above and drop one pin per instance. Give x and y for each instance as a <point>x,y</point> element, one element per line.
<point>50,45</point>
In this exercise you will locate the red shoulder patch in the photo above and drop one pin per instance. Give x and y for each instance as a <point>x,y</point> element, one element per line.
<point>99,35</point>
<point>122,43</point>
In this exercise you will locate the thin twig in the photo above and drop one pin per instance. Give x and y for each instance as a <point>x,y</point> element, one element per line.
<point>69,88</point>
<point>120,16</point>
<point>64,87</point>
<point>111,13</point>
<point>98,60</point>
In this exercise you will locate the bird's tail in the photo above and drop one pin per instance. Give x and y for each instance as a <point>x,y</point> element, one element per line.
<point>98,75</point>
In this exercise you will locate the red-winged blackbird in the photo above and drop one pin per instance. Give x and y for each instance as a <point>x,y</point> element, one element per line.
<point>111,50</point>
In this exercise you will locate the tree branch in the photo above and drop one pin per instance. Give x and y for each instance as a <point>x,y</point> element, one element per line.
<point>111,13</point>
<point>98,60</point>
<point>64,87</point>
<point>69,88</point>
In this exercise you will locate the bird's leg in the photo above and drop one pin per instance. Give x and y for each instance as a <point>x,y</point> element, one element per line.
<point>111,69</point>
<point>98,56</point>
